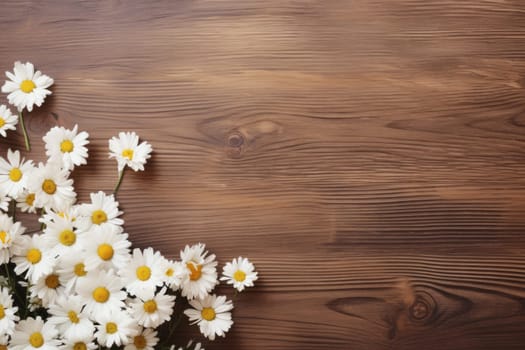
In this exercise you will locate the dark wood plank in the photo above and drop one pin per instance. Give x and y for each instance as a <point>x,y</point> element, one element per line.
<point>367,155</point>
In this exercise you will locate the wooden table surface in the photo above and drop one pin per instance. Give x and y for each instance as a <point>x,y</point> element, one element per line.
<point>367,155</point>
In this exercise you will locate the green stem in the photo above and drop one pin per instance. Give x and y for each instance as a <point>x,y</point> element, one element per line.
<point>13,209</point>
<point>8,275</point>
<point>173,326</point>
<point>26,308</point>
<point>42,225</point>
<point>23,125</point>
<point>12,285</point>
<point>120,177</point>
<point>235,294</point>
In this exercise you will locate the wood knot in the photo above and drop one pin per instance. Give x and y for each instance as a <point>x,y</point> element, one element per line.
<point>423,308</point>
<point>235,141</point>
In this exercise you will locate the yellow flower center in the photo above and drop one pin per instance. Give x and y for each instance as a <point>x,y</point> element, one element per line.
<point>2,122</point>
<point>239,276</point>
<point>49,186</point>
<point>98,217</point>
<point>80,346</point>
<point>208,313</point>
<point>52,281</point>
<point>101,294</point>
<point>111,327</point>
<point>4,237</point>
<point>30,198</point>
<point>105,251</point>
<point>2,312</point>
<point>36,340</point>
<point>34,256</point>
<point>80,270</point>
<point>27,86</point>
<point>66,146</point>
<point>73,317</point>
<point>143,273</point>
<point>15,174</point>
<point>127,153</point>
<point>67,237</point>
<point>195,270</point>
<point>150,306</point>
<point>169,272</point>
<point>140,342</point>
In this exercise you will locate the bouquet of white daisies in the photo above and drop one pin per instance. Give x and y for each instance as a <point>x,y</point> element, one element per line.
<point>75,283</point>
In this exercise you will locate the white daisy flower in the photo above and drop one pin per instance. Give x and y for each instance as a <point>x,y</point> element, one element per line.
<point>69,212</point>
<point>154,309</point>
<point>26,87</point>
<point>106,248</point>
<point>212,314</point>
<point>79,342</point>
<point>49,217</point>
<point>4,342</point>
<point>188,346</point>
<point>14,173</point>
<point>240,272</point>
<point>67,146</point>
<point>52,187</point>
<point>7,120</point>
<point>60,233</point>
<point>198,346</point>
<point>127,151</point>
<point>102,211</point>
<point>146,339</point>
<point>48,288</point>
<point>143,273</point>
<point>116,328</point>
<point>72,322</point>
<point>26,202</point>
<point>34,303</point>
<point>71,267</point>
<point>32,256</point>
<point>202,272</point>
<point>9,231</point>
<point>8,317</point>
<point>31,334</point>
<point>101,292</point>
<point>174,272</point>
<point>63,209</point>
<point>4,202</point>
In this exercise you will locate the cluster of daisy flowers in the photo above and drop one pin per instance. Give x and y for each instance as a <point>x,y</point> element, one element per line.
<point>77,283</point>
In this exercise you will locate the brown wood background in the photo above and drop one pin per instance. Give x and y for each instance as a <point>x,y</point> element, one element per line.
<point>368,156</point>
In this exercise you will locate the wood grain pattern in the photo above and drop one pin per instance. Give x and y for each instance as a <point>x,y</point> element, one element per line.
<point>367,155</point>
